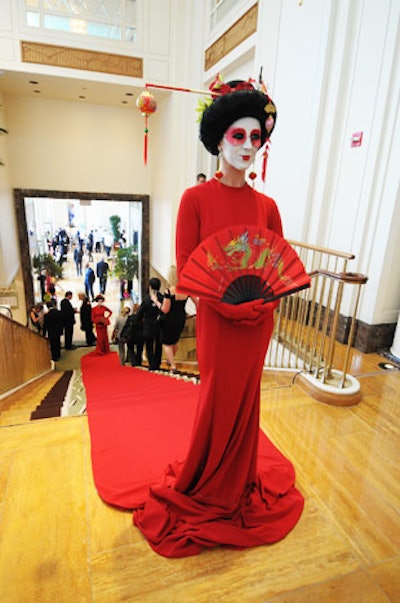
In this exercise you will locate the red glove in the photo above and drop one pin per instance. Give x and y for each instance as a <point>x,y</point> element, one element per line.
<point>246,314</point>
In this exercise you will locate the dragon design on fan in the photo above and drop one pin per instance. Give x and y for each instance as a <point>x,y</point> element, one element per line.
<point>247,256</point>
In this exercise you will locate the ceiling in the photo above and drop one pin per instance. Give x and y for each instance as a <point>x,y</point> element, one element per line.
<point>19,83</point>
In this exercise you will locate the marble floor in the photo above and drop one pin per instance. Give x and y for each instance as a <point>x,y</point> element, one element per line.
<point>60,542</point>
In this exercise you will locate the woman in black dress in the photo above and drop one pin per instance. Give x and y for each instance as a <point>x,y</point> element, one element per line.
<point>174,319</point>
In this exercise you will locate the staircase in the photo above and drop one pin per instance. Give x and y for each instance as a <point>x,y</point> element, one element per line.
<point>52,403</point>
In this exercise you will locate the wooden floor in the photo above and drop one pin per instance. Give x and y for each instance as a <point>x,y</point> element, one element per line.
<point>61,543</point>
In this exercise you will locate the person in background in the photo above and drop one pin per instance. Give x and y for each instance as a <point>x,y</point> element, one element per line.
<point>201,178</point>
<point>42,284</point>
<point>36,316</point>
<point>89,281</point>
<point>85,312</point>
<point>174,318</point>
<point>68,314</point>
<point>150,315</point>
<point>102,273</point>
<point>101,319</point>
<point>125,289</point>
<point>117,334</point>
<point>108,242</point>
<point>53,326</point>
<point>97,240</point>
<point>133,333</point>
<point>122,240</point>
<point>50,285</point>
<point>78,255</point>
<point>89,246</point>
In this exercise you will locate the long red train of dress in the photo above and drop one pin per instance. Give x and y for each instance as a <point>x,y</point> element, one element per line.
<point>227,491</point>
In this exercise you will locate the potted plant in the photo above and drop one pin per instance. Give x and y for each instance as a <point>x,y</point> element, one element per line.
<point>44,262</point>
<point>45,266</point>
<point>126,268</point>
<point>115,222</point>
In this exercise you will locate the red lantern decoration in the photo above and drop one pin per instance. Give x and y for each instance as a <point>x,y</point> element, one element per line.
<point>147,104</point>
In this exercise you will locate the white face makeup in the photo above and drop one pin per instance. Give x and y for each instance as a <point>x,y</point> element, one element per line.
<point>241,142</point>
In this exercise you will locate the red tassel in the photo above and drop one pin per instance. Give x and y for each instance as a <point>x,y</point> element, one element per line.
<point>146,131</point>
<point>265,161</point>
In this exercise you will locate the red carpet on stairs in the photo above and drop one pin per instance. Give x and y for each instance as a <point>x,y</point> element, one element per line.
<point>139,422</point>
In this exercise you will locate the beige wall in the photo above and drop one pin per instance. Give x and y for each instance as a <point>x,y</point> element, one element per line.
<point>60,145</point>
<point>9,252</point>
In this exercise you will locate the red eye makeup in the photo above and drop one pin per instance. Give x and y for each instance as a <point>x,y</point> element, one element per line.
<point>238,136</point>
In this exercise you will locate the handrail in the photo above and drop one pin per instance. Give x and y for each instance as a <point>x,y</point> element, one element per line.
<point>6,310</point>
<point>353,278</point>
<point>307,323</point>
<point>317,248</point>
<point>349,278</point>
<point>24,355</point>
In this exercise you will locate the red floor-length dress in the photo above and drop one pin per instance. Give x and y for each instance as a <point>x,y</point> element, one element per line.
<point>234,487</point>
<point>100,318</point>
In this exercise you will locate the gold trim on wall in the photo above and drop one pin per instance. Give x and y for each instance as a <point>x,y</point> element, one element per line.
<point>235,35</point>
<point>77,58</point>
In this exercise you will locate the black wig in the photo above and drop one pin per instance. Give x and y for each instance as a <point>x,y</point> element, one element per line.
<point>228,108</point>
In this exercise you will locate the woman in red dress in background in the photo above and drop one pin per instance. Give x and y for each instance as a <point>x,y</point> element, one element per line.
<point>101,318</point>
<point>234,487</point>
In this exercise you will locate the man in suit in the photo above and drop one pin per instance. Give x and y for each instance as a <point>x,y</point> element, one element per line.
<point>78,255</point>
<point>149,315</point>
<point>133,334</point>
<point>53,325</point>
<point>68,314</point>
<point>89,280</point>
<point>101,273</point>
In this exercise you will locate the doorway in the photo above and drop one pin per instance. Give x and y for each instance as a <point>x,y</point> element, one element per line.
<point>77,206</point>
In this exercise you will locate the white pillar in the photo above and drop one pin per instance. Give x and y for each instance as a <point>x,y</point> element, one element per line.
<point>395,349</point>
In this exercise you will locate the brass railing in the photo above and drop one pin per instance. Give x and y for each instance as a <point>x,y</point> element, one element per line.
<point>308,325</point>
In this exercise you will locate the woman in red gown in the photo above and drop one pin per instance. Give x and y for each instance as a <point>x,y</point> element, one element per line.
<point>234,487</point>
<point>101,318</point>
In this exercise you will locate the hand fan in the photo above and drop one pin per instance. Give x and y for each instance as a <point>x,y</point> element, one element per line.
<point>242,263</point>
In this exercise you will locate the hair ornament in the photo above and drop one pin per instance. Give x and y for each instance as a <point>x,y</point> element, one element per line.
<point>218,87</point>
<point>269,123</point>
<point>202,105</point>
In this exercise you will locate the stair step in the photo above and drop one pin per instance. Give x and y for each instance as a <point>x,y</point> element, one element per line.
<point>52,403</point>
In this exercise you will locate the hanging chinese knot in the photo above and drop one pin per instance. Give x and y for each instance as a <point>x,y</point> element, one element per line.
<point>147,104</point>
